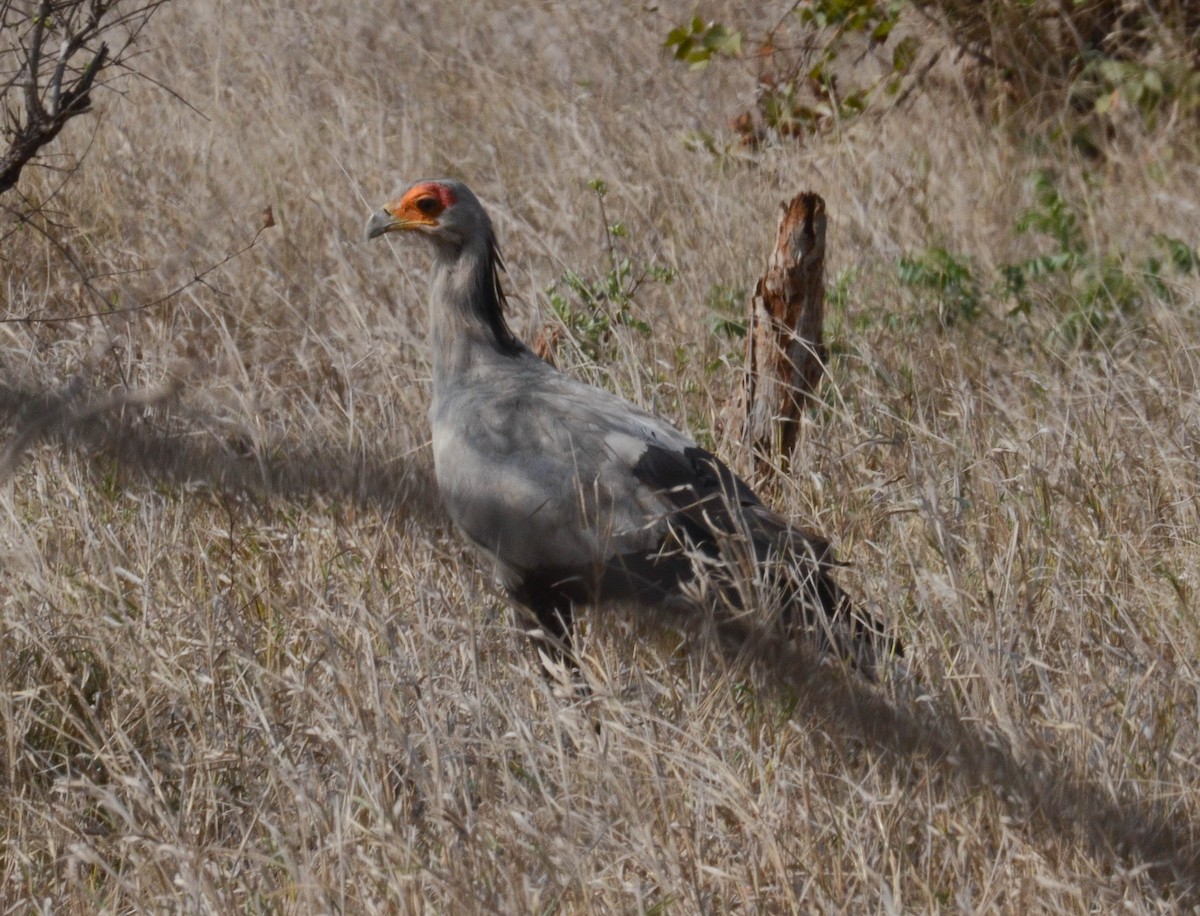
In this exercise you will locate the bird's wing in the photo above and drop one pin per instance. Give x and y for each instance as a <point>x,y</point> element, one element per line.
<point>554,473</point>
<point>572,490</point>
<point>541,475</point>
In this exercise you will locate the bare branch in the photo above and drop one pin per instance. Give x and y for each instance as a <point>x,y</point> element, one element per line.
<point>53,96</point>
<point>33,105</point>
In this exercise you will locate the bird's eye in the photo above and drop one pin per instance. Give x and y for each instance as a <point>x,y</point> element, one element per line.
<point>429,205</point>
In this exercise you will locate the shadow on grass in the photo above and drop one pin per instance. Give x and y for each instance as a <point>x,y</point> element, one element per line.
<point>1033,788</point>
<point>177,452</point>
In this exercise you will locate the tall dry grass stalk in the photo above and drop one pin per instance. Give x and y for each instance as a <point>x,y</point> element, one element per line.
<point>244,663</point>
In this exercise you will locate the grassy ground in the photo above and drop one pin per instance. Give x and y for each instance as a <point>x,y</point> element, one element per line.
<point>246,665</point>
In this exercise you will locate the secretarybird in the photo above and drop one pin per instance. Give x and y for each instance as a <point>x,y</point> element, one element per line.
<point>576,496</point>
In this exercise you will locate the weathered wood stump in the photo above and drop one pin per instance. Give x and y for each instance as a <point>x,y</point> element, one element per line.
<point>785,354</point>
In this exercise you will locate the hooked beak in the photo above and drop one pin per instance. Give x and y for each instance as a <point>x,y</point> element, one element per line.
<point>384,221</point>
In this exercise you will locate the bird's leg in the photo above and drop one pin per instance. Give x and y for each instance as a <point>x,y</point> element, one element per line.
<point>555,618</point>
<point>557,621</point>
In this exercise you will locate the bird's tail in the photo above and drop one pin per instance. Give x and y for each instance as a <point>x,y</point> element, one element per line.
<point>789,575</point>
<point>840,627</point>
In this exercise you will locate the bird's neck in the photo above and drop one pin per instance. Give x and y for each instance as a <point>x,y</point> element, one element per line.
<point>467,311</point>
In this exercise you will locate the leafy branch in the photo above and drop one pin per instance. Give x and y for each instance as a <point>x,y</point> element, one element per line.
<point>592,307</point>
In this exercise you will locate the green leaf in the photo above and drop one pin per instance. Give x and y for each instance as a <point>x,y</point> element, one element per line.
<point>1184,258</point>
<point>905,53</point>
<point>697,42</point>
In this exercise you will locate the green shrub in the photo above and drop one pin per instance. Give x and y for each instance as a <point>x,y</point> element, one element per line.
<point>948,278</point>
<point>1068,70</point>
<point>1082,291</point>
<point>592,306</point>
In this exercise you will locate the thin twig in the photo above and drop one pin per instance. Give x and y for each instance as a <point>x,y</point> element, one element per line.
<point>196,278</point>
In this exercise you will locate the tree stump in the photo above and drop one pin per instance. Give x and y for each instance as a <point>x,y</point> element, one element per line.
<point>785,354</point>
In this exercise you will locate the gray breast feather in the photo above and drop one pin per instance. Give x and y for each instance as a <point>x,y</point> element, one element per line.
<point>556,491</point>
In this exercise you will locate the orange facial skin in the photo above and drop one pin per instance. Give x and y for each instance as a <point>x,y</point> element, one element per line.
<point>419,208</point>
<point>422,204</point>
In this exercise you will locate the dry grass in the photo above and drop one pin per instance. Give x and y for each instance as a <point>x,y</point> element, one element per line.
<point>245,665</point>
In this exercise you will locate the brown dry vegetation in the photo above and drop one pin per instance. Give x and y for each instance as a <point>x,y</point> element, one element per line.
<point>246,666</point>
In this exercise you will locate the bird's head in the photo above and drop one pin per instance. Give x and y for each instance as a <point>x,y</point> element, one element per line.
<point>443,210</point>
